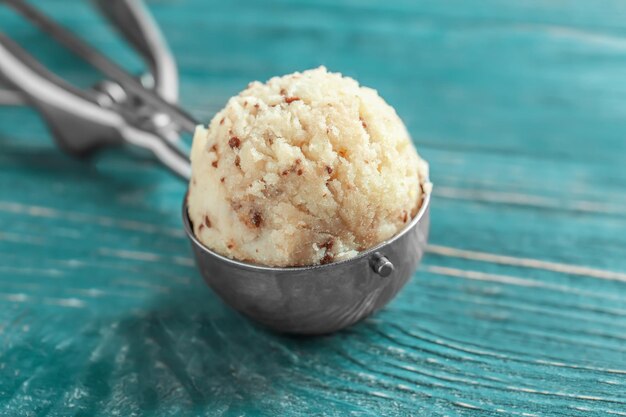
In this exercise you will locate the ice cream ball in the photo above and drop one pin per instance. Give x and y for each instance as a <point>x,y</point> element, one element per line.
<point>308,168</point>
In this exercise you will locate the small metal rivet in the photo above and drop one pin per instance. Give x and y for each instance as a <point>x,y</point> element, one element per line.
<point>381,265</point>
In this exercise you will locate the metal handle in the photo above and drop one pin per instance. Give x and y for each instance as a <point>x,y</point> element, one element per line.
<point>77,118</point>
<point>102,63</point>
<point>133,21</point>
<point>83,121</point>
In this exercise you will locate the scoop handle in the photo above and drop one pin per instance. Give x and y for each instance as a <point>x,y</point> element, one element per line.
<point>82,121</point>
<point>133,21</point>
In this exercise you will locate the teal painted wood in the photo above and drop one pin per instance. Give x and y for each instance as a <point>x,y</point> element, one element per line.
<point>519,308</point>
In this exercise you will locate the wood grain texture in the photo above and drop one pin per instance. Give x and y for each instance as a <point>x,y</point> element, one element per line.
<point>520,305</point>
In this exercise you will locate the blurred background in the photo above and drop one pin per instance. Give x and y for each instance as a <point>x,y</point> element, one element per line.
<point>517,106</point>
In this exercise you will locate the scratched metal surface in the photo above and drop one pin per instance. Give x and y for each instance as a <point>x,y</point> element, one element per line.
<point>518,309</point>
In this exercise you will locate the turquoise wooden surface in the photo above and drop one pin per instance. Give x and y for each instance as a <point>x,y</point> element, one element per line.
<point>518,309</point>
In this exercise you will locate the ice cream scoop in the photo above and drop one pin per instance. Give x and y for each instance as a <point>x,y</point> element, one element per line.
<point>306,299</point>
<point>307,207</point>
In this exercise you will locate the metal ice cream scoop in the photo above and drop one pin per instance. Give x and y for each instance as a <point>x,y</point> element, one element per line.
<point>142,112</point>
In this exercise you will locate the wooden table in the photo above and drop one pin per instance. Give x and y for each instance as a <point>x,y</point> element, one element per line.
<point>518,309</point>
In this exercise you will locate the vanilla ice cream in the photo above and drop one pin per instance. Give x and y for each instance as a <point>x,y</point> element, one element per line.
<point>305,169</point>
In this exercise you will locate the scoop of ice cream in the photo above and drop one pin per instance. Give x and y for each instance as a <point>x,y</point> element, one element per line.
<point>307,168</point>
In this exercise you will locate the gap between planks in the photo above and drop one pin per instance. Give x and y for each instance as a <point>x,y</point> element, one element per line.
<point>527,263</point>
<point>527,200</point>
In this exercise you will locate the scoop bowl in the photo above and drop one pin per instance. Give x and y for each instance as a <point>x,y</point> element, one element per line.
<point>316,299</point>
